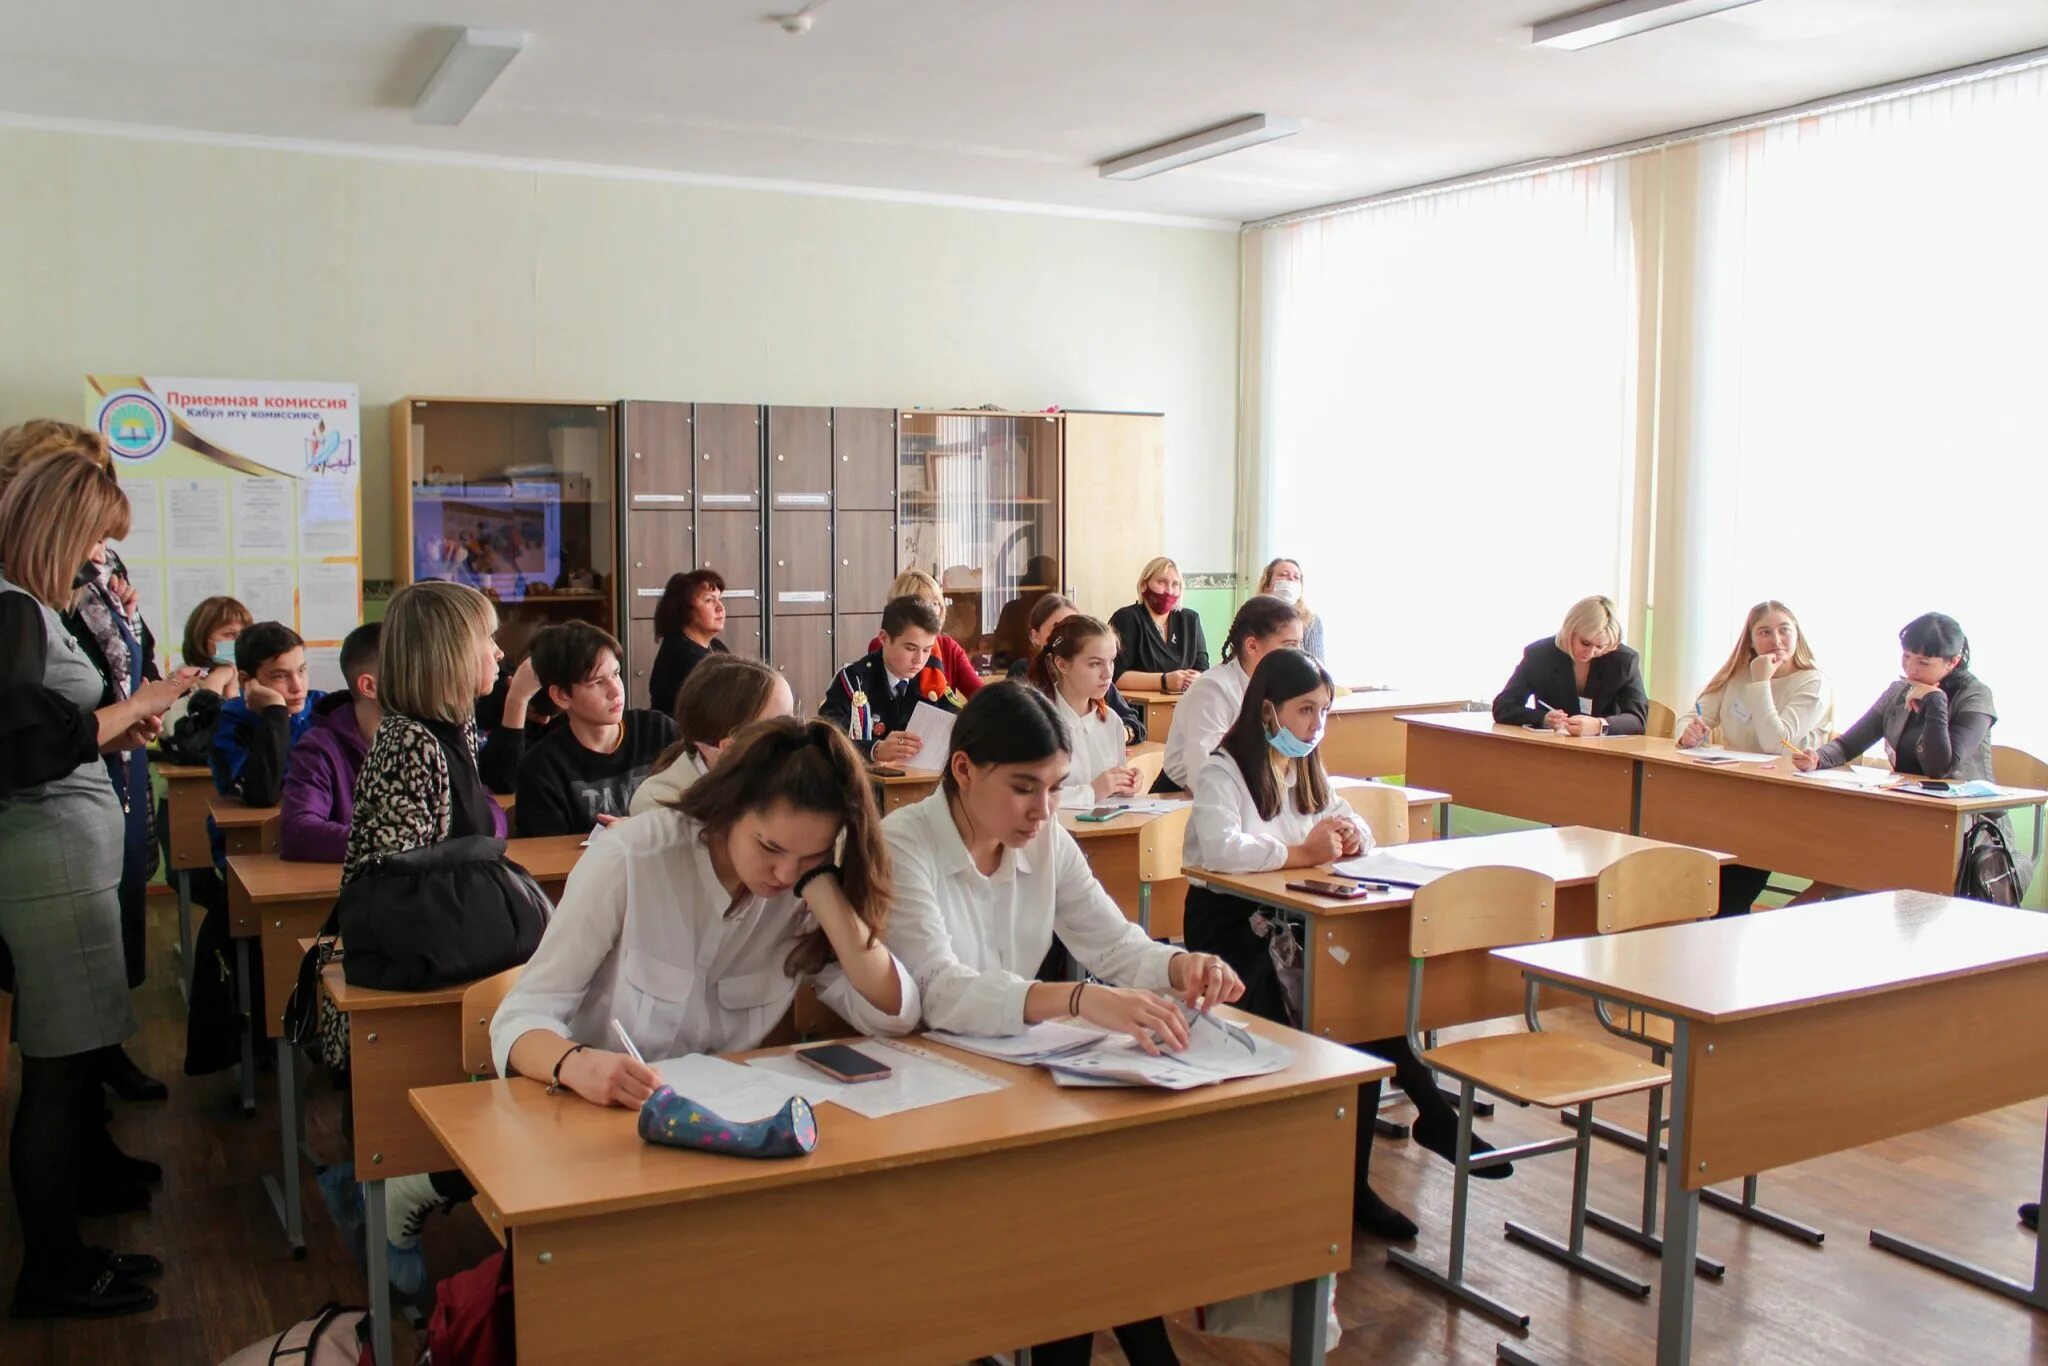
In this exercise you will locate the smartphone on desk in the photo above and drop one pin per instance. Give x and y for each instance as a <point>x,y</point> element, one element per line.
<point>1100,813</point>
<point>884,771</point>
<point>1342,891</point>
<point>842,1063</point>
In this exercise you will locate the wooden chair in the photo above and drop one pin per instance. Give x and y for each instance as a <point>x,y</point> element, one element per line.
<point>1148,759</point>
<point>480,1001</point>
<point>1471,911</point>
<point>1159,848</point>
<point>1383,809</point>
<point>2011,767</point>
<point>1662,722</point>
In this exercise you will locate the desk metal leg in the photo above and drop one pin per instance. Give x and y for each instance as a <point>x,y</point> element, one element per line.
<point>1508,1355</point>
<point>379,1270</point>
<point>183,877</point>
<point>1310,1319</point>
<point>1443,823</point>
<point>1681,1218</point>
<point>1748,1208</point>
<point>2034,1296</point>
<point>243,992</point>
<point>283,1188</point>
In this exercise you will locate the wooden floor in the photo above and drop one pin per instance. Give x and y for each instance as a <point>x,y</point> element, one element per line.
<point>230,1281</point>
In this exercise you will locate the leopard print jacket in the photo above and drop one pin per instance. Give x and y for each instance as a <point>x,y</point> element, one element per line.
<point>403,799</point>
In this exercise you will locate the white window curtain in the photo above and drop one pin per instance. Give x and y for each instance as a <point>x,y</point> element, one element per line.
<point>1868,434</point>
<point>1440,418</point>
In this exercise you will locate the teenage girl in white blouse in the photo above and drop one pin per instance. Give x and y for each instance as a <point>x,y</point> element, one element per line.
<point>1261,625</point>
<point>1075,667</point>
<point>1263,802</point>
<point>693,925</point>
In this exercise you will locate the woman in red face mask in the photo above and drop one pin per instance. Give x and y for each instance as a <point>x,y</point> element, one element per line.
<point>1160,644</point>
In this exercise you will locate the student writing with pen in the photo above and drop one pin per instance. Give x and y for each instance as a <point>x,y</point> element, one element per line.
<point>985,876</point>
<point>1582,681</point>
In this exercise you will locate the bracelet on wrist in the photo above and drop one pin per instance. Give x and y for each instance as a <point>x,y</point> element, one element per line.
<point>555,1083</point>
<point>819,871</point>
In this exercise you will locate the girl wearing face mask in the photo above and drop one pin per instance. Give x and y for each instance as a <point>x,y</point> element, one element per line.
<point>1073,668</point>
<point>1283,580</point>
<point>1261,626</point>
<point>1769,694</point>
<point>1160,644</point>
<point>1582,681</point>
<point>1263,802</point>
<point>724,694</point>
<point>984,878</point>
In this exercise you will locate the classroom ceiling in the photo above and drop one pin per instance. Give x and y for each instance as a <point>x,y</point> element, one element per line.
<point>997,99</point>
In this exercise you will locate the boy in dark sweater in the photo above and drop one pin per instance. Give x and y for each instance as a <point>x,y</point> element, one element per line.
<point>585,772</point>
<point>873,698</point>
<point>253,739</point>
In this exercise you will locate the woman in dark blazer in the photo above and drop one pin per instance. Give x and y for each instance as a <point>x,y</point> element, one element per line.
<point>1582,681</point>
<point>1160,645</point>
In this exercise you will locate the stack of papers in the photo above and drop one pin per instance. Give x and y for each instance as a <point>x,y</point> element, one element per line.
<point>1039,1043</point>
<point>1716,754</point>
<point>1080,1055</point>
<point>1976,787</point>
<point>1146,806</point>
<point>920,1078</point>
<point>1850,775</point>
<point>1387,868</point>
<point>727,1089</point>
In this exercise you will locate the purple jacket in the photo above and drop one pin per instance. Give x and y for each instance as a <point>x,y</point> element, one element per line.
<point>320,787</point>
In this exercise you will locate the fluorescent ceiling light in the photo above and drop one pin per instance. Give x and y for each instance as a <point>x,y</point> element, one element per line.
<point>478,57</point>
<point>1622,19</point>
<point>1210,142</point>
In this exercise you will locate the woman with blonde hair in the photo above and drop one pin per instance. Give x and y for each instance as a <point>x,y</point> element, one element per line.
<point>1160,644</point>
<point>1283,579</point>
<point>960,670</point>
<point>1581,681</point>
<point>61,842</point>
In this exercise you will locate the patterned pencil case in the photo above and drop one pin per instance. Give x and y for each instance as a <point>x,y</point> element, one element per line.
<point>676,1121</point>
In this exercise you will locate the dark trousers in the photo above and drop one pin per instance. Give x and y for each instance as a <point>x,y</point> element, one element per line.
<point>1144,1344</point>
<point>59,1124</point>
<point>1741,885</point>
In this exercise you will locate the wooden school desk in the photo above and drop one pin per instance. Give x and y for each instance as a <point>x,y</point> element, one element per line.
<point>187,788</point>
<point>1355,978</point>
<point>932,1235</point>
<point>1535,775</point>
<point>1816,1029</point>
<point>1365,735</point>
<point>244,829</point>
<point>279,904</point>
<point>1157,708</point>
<point>894,790</point>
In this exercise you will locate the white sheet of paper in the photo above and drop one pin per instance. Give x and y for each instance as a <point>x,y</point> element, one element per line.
<point>1383,867</point>
<point>1047,1039</point>
<point>329,604</point>
<point>263,522</point>
<point>1745,756</point>
<point>197,511</point>
<point>189,584</point>
<point>935,728</point>
<point>144,540</point>
<point>323,668</point>
<point>740,1094</point>
<point>1217,1051</point>
<point>148,580</point>
<point>1850,775</point>
<point>1148,806</point>
<point>327,517</point>
<point>267,591</point>
<point>920,1078</point>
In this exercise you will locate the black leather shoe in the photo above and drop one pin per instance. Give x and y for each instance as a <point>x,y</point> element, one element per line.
<point>1445,1145</point>
<point>136,1266</point>
<point>1378,1217</point>
<point>130,1082</point>
<point>2030,1215</point>
<point>105,1296</point>
<point>112,1197</point>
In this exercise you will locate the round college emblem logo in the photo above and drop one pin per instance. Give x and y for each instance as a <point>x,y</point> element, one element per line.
<point>135,424</point>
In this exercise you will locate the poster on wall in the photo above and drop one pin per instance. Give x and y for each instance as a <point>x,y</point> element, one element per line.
<point>243,487</point>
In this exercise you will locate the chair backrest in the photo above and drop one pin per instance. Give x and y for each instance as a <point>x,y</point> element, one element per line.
<point>1148,759</point>
<point>480,1001</point>
<point>1159,845</point>
<point>1481,908</point>
<point>1383,809</point>
<point>1662,723</point>
<point>1657,887</point>
<point>2012,767</point>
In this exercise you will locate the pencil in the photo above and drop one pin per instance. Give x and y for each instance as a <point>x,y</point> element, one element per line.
<point>1789,745</point>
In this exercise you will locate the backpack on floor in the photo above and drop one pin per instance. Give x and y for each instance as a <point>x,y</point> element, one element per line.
<point>213,1016</point>
<point>472,1321</point>
<point>1987,870</point>
<point>336,1336</point>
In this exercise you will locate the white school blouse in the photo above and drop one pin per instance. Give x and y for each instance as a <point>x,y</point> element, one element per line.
<point>1200,719</point>
<point>641,935</point>
<point>1226,834</point>
<point>974,943</point>
<point>1098,741</point>
<point>1758,717</point>
<point>668,784</point>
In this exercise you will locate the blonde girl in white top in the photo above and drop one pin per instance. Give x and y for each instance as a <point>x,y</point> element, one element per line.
<point>1769,694</point>
<point>985,876</point>
<point>1262,802</point>
<point>1200,719</point>
<point>1075,667</point>
<point>735,691</point>
<point>693,925</point>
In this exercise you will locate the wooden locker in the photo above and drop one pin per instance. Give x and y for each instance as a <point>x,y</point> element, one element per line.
<point>799,460</point>
<point>804,655</point>
<point>640,650</point>
<point>728,442</point>
<point>800,564</point>
<point>1112,461</point>
<point>730,542</point>
<point>659,471</point>
<point>866,561</point>
<point>864,458</point>
<point>742,636</point>
<point>658,545</point>
<point>850,636</point>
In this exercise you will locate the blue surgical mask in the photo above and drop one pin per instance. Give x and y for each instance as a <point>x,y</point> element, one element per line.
<point>1292,746</point>
<point>224,653</point>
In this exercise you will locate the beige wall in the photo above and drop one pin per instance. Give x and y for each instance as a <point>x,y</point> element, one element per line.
<point>165,257</point>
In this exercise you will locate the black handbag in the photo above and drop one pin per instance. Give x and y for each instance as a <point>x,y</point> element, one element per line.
<point>1987,870</point>
<point>439,915</point>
